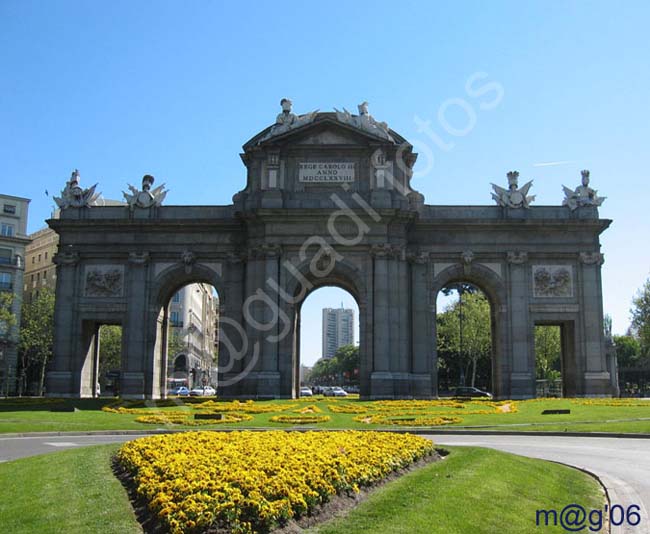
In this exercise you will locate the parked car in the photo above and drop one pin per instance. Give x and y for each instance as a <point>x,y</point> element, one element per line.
<point>181,391</point>
<point>335,392</point>
<point>306,392</point>
<point>203,391</point>
<point>471,392</point>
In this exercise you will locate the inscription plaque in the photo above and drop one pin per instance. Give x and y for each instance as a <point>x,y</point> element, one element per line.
<point>326,172</point>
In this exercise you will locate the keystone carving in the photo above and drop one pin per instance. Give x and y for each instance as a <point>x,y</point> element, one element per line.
<point>467,257</point>
<point>189,259</point>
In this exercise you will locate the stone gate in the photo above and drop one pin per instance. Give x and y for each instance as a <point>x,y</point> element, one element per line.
<point>328,201</point>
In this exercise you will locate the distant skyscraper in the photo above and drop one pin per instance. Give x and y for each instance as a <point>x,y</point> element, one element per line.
<point>338,329</point>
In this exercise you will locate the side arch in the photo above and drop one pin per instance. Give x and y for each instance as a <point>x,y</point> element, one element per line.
<point>495,289</point>
<point>168,281</point>
<point>156,322</point>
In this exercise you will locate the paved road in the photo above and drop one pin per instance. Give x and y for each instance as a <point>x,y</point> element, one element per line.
<point>622,464</point>
<point>14,448</point>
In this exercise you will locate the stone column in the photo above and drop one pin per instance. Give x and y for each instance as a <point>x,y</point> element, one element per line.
<point>251,314</point>
<point>522,367</point>
<point>143,332</point>
<point>424,381</point>
<point>232,334</point>
<point>271,309</point>
<point>596,377</point>
<point>260,307</point>
<point>62,377</point>
<point>401,332</point>
<point>381,379</point>
<point>289,344</point>
<point>366,330</point>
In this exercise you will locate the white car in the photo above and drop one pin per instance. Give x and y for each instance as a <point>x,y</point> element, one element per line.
<point>306,392</point>
<point>203,391</point>
<point>335,392</point>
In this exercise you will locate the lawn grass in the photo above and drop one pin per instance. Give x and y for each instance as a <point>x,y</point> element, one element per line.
<point>40,415</point>
<point>472,490</point>
<point>72,491</point>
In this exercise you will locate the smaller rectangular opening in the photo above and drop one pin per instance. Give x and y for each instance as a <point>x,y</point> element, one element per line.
<point>548,360</point>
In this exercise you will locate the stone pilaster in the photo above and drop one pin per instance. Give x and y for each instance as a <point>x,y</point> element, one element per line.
<point>597,380</point>
<point>520,332</point>
<point>63,376</point>
<point>381,378</point>
<point>424,374</point>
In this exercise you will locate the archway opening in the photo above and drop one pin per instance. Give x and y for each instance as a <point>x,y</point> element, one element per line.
<point>555,364</point>
<point>192,338</point>
<point>464,338</point>
<point>328,341</point>
<point>109,360</point>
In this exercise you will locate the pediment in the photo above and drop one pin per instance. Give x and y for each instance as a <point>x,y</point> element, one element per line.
<point>324,130</point>
<point>328,136</point>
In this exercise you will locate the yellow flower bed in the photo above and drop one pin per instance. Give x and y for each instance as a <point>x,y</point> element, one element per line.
<point>611,402</point>
<point>312,408</point>
<point>249,482</point>
<point>390,405</point>
<point>347,408</point>
<point>398,419</point>
<point>167,418</point>
<point>248,406</point>
<point>300,419</point>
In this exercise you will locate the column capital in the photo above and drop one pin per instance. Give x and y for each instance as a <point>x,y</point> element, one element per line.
<point>417,258</point>
<point>66,257</point>
<point>516,257</point>
<point>139,258</point>
<point>591,258</point>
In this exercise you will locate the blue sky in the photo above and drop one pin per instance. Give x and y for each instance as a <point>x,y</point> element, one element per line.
<point>119,89</point>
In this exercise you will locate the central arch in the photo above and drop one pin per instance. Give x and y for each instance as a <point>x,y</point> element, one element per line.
<point>344,276</point>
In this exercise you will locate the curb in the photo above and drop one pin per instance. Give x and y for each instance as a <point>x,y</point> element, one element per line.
<point>417,431</point>
<point>608,528</point>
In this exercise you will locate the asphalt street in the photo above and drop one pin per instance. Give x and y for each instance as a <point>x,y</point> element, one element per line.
<point>623,465</point>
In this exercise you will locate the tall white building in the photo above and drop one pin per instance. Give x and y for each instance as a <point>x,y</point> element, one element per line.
<point>194,322</point>
<point>338,329</point>
<point>13,239</point>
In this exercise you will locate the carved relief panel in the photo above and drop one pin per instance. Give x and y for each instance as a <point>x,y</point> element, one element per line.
<point>552,281</point>
<point>104,281</point>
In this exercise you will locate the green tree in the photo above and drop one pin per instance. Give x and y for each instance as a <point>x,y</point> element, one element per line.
<point>464,334</point>
<point>347,362</point>
<point>548,350</point>
<point>7,323</point>
<point>176,344</point>
<point>110,348</point>
<point>641,318</point>
<point>628,351</point>
<point>343,366</point>
<point>7,317</point>
<point>36,338</point>
<point>323,371</point>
